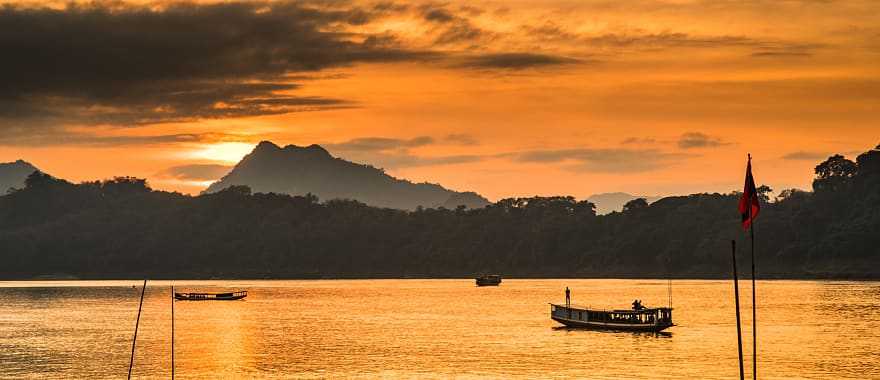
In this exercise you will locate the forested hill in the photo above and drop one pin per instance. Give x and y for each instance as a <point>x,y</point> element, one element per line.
<point>122,229</point>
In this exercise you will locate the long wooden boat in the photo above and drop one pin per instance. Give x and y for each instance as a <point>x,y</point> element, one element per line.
<point>489,280</point>
<point>644,319</point>
<point>211,296</point>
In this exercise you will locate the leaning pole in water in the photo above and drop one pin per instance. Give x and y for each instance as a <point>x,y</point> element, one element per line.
<point>739,339</point>
<point>136,323</point>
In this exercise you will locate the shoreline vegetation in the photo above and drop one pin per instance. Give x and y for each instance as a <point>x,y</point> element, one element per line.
<point>120,228</point>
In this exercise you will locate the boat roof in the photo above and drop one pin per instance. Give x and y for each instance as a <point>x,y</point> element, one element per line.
<point>618,311</point>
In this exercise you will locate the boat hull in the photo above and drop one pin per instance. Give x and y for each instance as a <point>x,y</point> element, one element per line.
<point>611,326</point>
<point>210,296</point>
<point>185,298</point>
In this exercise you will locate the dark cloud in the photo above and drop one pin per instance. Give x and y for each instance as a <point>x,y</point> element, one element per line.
<point>692,140</point>
<point>438,15</point>
<point>781,53</point>
<point>550,31</point>
<point>458,31</point>
<point>23,136</point>
<point>406,160</point>
<point>108,63</point>
<point>805,156</point>
<point>195,172</point>
<point>515,61</point>
<point>471,10</point>
<point>452,27</point>
<point>437,12</point>
<point>785,49</point>
<point>638,141</point>
<point>378,144</point>
<point>391,153</point>
<point>603,160</point>
<point>666,40</point>
<point>390,7</point>
<point>642,40</point>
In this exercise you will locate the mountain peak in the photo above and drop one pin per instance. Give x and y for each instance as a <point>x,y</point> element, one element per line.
<point>266,145</point>
<point>317,149</point>
<point>300,170</point>
<point>13,174</point>
<point>21,164</point>
<point>608,202</point>
<point>18,162</point>
<point>313,149</point>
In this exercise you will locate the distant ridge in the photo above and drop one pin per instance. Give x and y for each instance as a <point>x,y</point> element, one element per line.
<point>13,174</point>
<point>312,169</point>
<point>610,202</point>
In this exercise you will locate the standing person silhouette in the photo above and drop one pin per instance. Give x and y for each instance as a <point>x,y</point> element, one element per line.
<point>567,297</point>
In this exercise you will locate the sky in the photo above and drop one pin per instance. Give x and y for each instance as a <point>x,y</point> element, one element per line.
<point>512,98</point>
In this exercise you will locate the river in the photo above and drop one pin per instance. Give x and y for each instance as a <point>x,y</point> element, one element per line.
<point>432,329</point>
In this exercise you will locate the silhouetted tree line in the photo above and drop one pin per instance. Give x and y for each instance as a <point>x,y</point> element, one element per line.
<point>122,228</point>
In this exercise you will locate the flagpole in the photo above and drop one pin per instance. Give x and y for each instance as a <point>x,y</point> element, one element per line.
<point>754,301</point>
<point>739,340</point>
<point>172,332</point>
<point>754,307</point>
<point>749,206</point>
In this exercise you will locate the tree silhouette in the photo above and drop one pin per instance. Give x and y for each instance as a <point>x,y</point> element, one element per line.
<point>635,204</point>
<point>764,193</point>
<point>120,228</point>
<point>834,173</point>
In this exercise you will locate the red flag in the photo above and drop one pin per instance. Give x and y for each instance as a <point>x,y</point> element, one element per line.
<point>748,203</point>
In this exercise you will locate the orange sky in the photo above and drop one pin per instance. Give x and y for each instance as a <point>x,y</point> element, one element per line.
<point>503,98</point>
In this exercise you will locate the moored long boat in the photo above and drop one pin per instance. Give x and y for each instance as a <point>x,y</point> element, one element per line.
<point>231,296</point>
<point>489,280</point>
<point>646,319</point>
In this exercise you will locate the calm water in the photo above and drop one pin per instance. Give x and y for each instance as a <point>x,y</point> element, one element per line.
<point>431,329</point>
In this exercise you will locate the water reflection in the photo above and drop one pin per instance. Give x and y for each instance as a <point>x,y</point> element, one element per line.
<point>430,329</point>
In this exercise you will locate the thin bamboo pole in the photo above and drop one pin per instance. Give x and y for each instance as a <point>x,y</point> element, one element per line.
<point>136,323</point>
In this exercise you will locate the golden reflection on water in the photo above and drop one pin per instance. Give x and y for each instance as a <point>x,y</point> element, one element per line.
<point>430,329</point>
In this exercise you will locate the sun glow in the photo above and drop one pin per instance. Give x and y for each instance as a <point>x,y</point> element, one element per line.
<point>224,151</point>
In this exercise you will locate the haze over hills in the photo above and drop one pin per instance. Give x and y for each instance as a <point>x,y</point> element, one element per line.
<point>316,174</point>
<point>13,174</point>
<point>608,202</point>
<point>299,170</point>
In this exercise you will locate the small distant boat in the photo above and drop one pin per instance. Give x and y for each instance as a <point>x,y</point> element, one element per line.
<point>637,319</point>
<point>489,280</point>
<point>211,296</point>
